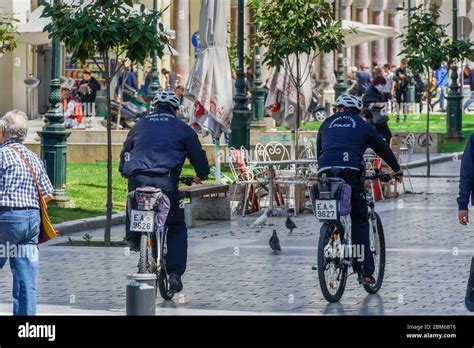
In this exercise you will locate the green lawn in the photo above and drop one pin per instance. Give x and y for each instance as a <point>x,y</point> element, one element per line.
<point>87,186</point>
<point>417,124</point>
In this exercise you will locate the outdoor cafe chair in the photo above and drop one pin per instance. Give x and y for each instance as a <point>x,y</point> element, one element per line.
<point>252,178</point>
<point>275,151</point>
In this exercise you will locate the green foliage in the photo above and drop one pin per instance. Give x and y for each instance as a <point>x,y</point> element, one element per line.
<point>426,43</point>
<point>289,27</point>
<point>99,28</point>
<point>87,237</point>
<point>105,26</point>
<point>8,33</point>
<point>427,46</point>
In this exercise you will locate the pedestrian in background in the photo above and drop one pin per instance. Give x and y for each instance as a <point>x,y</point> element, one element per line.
<point>402,80</point>
<point>127,79</point>
<point>363,79</point>
<point>71,108</point>
<point>374,101</point>
<point>88,88</point>
<point>172,79</point>
<point>470,82</point>
<point>419,90</point>
<point>19,210</point>
<point>466,182</point>
<point>376,70</point>
<point>388,74</point>
<point>441,76</point>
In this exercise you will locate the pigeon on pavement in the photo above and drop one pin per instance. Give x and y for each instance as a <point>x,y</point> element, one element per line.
<point>261,220</point>
<point>290,224</point>
<point>274,242</point>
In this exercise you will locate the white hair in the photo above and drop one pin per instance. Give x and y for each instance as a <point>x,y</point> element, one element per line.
<point>15,125</point>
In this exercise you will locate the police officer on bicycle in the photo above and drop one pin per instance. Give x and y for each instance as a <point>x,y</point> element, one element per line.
<point>342,141</point>
<point>153,155</point>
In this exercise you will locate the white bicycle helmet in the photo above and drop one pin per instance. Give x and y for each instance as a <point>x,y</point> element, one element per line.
<point>169,98</point>
<point>349,101</point>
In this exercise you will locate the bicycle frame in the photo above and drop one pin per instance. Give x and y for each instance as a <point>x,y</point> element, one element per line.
<point>161,234</point>
<point>344,225</point>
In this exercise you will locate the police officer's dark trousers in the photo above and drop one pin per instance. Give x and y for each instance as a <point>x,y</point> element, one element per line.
<point>177,235</point>
<point>359,217</point>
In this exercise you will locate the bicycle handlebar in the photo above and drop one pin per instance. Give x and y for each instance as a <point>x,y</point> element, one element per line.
<point>187,180</point>
<point>384,177</point>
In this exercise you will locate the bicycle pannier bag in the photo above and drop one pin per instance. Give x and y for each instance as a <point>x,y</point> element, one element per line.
<point>338,189</point>
<point>150,198</point>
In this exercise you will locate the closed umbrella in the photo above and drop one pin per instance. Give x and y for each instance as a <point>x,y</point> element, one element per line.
<point>208,95</point>
<point>283,91</point>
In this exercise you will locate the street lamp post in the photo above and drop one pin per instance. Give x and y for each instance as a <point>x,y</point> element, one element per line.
<point>155,82</point>
<point>454,109</point>
<point>341,85</point>
<point>411,85</point>
<point>240,135</point>
<point>53,134</point>
<point>258,92</point>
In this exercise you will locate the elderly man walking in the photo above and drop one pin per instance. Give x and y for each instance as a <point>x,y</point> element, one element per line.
<point>19,210</point>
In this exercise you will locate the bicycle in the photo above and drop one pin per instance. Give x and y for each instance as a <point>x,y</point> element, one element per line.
<point>335,249</point>
<point>149,219</point>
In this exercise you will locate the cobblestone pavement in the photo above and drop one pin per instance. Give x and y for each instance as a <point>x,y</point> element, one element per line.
<point>231,269</point>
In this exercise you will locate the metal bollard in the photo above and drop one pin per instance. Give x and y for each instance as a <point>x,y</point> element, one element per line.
<point>141,294</point>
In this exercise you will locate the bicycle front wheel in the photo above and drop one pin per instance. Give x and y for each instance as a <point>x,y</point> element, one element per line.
<point>164,286</point>
<point>377,247</point>
<point>332,272</point>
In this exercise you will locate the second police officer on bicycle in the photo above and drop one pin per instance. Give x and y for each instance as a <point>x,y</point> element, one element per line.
<point>153,155</point>
<point>342,141</point>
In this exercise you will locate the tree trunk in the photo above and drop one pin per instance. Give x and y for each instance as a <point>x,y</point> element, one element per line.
<point>428,164</point>
<point>108,223</point>
<point>298,107</point>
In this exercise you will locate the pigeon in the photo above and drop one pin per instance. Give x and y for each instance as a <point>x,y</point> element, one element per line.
<point>290,224</point>
<point>261,220</point>
<point>274,242</point>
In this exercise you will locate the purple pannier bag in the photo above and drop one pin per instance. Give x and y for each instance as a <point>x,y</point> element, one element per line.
<point>150,198</point>
<point>339,190</point>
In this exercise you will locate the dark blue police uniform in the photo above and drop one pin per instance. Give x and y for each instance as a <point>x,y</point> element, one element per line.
<point>153,155</point>
<point>342,141</point>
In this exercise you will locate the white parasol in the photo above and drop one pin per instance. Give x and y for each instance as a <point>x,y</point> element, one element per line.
<point>208,94</point>
<point>366,32</point>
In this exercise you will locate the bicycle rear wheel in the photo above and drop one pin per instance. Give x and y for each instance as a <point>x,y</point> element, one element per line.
<point>377,246</point>
<point>143,258</point>
<point>332,272</point>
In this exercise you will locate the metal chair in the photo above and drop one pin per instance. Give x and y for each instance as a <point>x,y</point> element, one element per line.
<point>275,151</point>
<point>245,175</point>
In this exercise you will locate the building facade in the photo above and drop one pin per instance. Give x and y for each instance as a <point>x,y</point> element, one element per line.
<point>182,16</point>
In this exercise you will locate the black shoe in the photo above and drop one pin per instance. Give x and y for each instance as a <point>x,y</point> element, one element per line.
<point>404,118</point>
<point>175,282</point>
<point>134,245</point>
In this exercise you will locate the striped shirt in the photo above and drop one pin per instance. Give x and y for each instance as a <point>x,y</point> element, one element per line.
<point>17,187</point>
